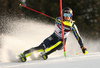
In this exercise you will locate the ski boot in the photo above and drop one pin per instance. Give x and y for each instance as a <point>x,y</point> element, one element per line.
<point>22,57</point>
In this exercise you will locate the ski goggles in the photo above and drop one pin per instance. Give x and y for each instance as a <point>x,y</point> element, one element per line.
<point>67,14</point>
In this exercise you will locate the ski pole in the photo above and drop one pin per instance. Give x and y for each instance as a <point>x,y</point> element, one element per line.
<point>62,27</point>
<point>78,53</point>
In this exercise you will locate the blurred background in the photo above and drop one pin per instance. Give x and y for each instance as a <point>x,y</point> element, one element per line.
<point>86,13</point>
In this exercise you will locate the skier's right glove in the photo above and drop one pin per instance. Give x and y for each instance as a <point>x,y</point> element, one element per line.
<point>84,50</point>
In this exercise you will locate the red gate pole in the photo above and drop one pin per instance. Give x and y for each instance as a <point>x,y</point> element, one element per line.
<point>62,27</point>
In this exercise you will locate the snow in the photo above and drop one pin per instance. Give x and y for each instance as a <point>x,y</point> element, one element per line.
<point>24,34</point>
<point>91,60</point>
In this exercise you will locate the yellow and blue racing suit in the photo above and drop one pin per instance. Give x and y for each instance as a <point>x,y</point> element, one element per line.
<point>50,44</point>
<point>57,35</point>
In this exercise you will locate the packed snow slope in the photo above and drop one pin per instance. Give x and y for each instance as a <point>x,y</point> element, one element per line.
<point>92,60</point>
<point>23,34</point>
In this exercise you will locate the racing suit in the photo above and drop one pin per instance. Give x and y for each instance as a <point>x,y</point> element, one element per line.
<point>57,36</point>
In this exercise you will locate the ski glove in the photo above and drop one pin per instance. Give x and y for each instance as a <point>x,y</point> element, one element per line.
<point>84,50</point>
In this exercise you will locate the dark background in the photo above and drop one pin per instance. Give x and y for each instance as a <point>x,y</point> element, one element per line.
<point>86,13</point>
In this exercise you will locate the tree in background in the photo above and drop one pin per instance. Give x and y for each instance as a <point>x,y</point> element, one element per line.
<point>90,16</point>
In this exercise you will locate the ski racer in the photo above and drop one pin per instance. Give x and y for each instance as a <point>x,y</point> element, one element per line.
<point>54,41</point>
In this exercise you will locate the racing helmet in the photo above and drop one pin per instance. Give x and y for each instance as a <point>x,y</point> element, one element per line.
<point>67,10</point>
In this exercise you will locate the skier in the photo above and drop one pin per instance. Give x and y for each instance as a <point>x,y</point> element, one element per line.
<point>54,41</point>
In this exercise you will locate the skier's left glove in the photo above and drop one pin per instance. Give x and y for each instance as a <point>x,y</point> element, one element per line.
<point>84,50</point>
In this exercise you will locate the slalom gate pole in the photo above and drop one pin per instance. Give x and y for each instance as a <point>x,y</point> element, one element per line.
<point>37,11</point>
<point>62,27</point>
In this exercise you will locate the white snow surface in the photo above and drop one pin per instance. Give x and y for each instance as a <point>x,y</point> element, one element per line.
<point>92,60</point>
<point>24,34</point>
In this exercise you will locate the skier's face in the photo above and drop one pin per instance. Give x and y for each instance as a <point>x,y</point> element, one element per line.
<point>67,16</point>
